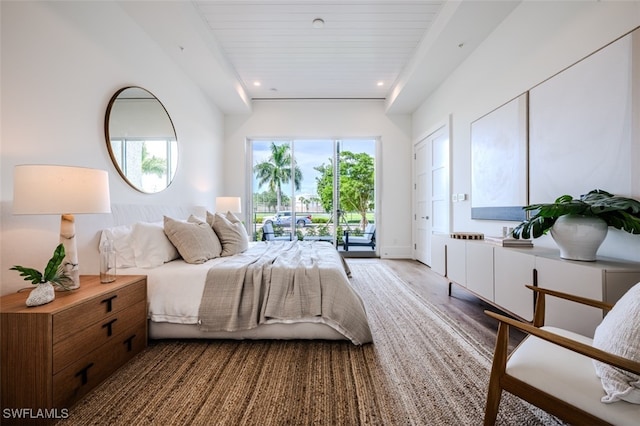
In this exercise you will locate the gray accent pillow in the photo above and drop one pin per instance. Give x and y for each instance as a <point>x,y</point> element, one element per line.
<point>194,239</point>
<point>230,231</point>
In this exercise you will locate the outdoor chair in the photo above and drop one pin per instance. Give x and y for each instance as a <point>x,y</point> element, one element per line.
<point>368,238</point>
<point>555,369</point>
<point>268,234</point>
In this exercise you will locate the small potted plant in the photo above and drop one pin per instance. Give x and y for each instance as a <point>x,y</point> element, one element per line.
<point>54,274</point>
<point>579,226</point>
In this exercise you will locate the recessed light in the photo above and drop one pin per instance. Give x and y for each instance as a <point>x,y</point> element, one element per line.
<point>318,23</point>
<point>380,83</point>
<point>257,83</point>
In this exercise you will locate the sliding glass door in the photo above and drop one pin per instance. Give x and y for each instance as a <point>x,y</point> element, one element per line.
<point>312,189</point>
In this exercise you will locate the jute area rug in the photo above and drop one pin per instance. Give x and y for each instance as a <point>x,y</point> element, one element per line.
<point>421,370</point>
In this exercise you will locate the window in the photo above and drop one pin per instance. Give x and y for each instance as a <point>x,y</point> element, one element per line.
<point>296,187</point>
<point>148,164</point>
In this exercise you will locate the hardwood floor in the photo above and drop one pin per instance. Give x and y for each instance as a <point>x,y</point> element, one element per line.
<point>462,306</point>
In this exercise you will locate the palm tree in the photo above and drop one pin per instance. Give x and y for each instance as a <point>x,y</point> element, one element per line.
<point>276,171</point>
<point>305,202</point>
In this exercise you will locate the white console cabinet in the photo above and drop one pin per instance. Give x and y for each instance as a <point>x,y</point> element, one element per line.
<point>457,261</point>
<point>513,269</point>
<point>605,279</point>
<point>498,275</point>
<point>480,271</point>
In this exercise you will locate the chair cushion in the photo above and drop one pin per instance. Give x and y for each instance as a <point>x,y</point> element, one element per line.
<point>267,231</point>
<point>568,376</point>
<point>619,334</point>
<point>359,240</point>
<point>270,235</point>
<point>365,238</point>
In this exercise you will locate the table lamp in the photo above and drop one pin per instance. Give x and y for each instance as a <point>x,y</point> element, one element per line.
<point>63,190</point>
<point>228,204</point>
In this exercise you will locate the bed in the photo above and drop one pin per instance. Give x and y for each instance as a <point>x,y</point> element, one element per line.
<point>238,289</point>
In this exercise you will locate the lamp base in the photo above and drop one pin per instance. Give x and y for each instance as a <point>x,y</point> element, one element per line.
<point>68,240</point>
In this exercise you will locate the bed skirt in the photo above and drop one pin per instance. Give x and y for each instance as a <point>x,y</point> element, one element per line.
<point>294,331</point>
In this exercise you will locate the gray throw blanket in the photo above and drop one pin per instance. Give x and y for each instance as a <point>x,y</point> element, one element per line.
<point>283,282</point>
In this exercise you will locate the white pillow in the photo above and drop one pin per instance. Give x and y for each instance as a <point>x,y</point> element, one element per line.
<point>151,246</point>
<point>230,231</point>
<point>120,237</point>
<point>619,334</point>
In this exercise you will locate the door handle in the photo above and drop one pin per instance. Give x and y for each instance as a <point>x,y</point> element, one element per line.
<point>425,217</point>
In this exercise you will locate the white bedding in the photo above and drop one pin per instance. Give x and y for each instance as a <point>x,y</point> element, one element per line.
<point>174,293</point>
<point>174,289</point>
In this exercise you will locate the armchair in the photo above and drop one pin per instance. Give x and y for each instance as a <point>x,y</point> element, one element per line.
<point>268,234</point>
<point>368,238</point>
<point>554,369</point>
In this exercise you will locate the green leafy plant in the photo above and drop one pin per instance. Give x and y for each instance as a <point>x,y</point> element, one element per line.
<point>619,212</point>
<point>53,273</point>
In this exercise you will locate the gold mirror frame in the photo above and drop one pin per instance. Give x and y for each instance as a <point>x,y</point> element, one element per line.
<point>141,139</point>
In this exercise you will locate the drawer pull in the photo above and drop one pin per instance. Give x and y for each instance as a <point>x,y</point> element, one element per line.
<point>109,302</point>
<point>109,327</point>
<point>129,343</point>
<point>83,373</point>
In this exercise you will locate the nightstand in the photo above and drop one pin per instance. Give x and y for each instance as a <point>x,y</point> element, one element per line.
<point>53,354</point>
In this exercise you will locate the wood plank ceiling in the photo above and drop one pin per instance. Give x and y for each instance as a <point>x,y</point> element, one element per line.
<point>359,52</point>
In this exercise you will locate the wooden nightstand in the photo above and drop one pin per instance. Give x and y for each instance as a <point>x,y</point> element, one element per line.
<point>54,354</point>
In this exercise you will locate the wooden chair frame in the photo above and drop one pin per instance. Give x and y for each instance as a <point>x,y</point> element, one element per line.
<point>500,380</point>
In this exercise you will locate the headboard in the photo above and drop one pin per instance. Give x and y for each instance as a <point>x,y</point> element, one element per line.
<point>89,227</point>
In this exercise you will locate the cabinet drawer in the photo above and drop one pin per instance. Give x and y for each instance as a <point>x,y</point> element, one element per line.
<point>97,334</point>
<point>457,261</point>
<point>479,269</point>
<point>513,271</point>
<point>68,322</point>
<point>87,372</point>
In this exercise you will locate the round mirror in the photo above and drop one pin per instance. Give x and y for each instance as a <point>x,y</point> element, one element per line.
<point>141,139</point>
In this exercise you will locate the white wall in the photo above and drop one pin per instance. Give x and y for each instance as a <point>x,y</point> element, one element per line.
<point>335,119</point>
<point>538,40</point>
<point>61,63</point>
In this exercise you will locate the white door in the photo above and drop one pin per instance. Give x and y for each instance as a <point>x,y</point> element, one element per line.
<point>422,196</point>
<point>431,191</point>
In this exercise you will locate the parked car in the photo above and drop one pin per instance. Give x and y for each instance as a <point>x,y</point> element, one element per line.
<point>284,219</point>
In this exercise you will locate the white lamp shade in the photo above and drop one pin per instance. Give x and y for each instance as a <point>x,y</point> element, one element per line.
<point>228,204</point>
<point>51,189</point>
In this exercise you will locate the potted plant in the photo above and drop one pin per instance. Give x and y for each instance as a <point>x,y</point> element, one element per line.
<point>579,226</point>
<point>54,274</point>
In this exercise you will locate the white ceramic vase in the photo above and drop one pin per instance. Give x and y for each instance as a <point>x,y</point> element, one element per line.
<point>579,237</point>
<point>42,294</point>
